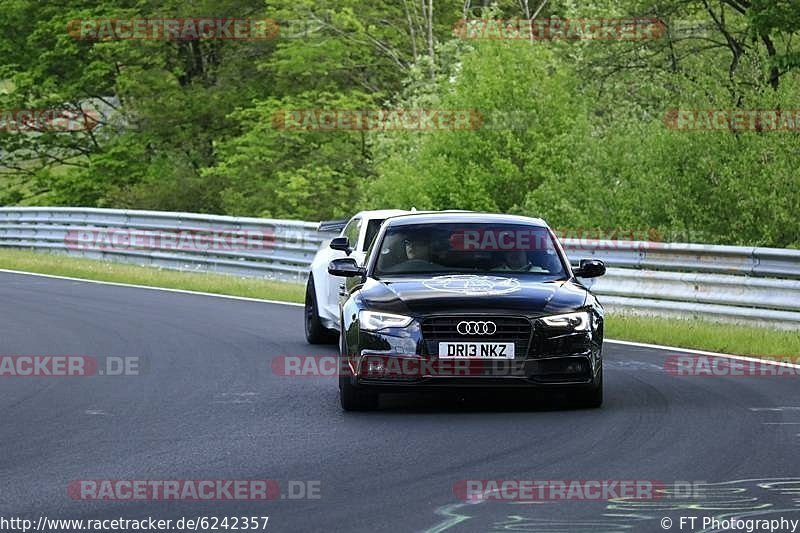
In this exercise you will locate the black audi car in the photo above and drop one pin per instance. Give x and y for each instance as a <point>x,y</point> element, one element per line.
<point>461,300</point>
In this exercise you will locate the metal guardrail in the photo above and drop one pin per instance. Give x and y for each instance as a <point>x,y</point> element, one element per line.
<point>731,283</point>
<point>271,249</point>
<point>719,282</point>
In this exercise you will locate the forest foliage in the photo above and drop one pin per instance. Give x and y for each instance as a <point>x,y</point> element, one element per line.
<point>577,132</point>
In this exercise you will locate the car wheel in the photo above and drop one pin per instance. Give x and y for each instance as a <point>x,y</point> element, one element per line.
<point>316,333</point>
<point>593,397</point>
<point>351,398</point>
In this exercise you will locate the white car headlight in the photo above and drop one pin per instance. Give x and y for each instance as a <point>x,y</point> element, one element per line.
<point>573,321</point>
<point>373,320</point>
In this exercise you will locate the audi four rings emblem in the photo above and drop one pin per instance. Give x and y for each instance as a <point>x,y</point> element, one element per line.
<point>476,328</point>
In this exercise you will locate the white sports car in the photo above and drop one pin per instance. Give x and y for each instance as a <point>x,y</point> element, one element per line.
<point>322,289</point>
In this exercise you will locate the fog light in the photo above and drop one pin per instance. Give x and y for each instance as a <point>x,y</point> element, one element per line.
<point>375,366</point>
<point>390,367</point>
<point>577,367</point>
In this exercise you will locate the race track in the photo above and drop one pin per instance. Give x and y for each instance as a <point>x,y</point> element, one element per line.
<point>207,405</point>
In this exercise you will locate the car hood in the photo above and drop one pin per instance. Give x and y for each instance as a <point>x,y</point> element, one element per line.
<point>472,294</point>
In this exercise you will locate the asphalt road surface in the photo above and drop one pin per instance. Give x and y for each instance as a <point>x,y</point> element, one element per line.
<point>207,405</point>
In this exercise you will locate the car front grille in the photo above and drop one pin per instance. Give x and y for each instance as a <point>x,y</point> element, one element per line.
<point>509,329</point>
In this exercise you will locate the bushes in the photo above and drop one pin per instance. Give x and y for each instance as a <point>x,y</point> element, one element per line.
<point>580,168</point>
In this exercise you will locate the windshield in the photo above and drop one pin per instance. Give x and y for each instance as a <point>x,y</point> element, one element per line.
<point>468,248</point>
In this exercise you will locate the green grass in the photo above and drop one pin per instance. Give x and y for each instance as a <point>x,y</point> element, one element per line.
<point>153,277</point>
<point>705,335</point>
<point>698,334</point>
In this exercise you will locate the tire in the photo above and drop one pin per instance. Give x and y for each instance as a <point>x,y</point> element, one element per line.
<point>593,397</point>
<point>350,397</point>
<point>353,399</point>
<point>316,333</point>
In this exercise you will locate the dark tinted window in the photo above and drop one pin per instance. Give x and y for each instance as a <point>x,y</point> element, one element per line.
<point>372,229</point>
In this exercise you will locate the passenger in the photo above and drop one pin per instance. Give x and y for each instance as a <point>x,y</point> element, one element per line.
<point>515,261</point>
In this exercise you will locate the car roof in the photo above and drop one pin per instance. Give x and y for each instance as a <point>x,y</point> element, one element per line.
<point>440,217</point>
<point>380,213</point>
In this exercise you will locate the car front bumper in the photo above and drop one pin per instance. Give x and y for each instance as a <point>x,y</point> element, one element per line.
<point>380,371</point>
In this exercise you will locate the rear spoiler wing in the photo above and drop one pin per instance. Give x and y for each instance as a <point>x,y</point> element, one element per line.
<point>332,225</point>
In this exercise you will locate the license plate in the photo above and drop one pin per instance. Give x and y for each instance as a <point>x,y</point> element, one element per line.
<point>476,350</point>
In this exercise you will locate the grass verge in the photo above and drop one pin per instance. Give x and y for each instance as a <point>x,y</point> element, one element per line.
<point>73,267</point>
<point>697,334</point>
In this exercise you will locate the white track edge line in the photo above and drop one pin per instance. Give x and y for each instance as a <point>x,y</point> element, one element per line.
<point>134,286</point>
<point>703,352</point>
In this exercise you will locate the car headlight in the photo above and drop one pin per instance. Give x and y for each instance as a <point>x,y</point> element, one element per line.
<point>573,321</point>
<point>374,321</point>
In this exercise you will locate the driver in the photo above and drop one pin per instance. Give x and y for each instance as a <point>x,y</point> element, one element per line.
<point>417,248</point>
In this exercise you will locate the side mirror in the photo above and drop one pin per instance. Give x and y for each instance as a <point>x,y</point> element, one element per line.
<point>342,244</point>
<point>345,268</point>
<point>590,268</point>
